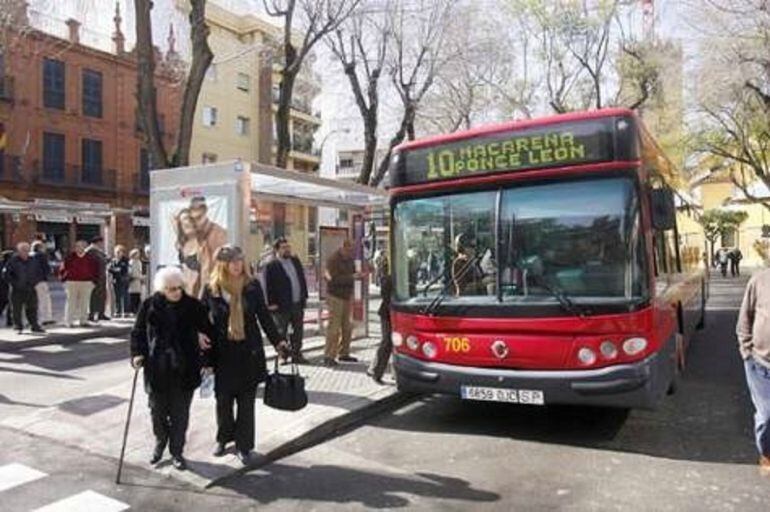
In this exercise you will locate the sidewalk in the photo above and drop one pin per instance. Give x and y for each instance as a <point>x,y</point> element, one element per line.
<point>61,335</point>
<point>337,397</point>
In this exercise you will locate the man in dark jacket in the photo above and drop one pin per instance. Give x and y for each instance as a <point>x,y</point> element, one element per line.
<point>21,274</point>
<point>287,296</point>
<point>5,304</point>
<point>99,293</point>
<point>735,256</point>
<point>380,362</point>
<point>170,328</point>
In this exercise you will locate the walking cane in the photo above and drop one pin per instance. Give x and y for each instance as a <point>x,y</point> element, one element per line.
<point>125,431</point>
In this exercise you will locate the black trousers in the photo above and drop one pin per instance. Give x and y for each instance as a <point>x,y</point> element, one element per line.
<point>170,411</point>
<point>24,299</point>
<point>296,318</point>
<point>735,268</point>
<point>135,299</point>
<point>382,356</point>
<point>121,298</point>
<point>237,427</point>
<point>98,300</point>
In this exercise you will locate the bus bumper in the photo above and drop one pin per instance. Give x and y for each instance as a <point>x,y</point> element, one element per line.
<point>637,385</point>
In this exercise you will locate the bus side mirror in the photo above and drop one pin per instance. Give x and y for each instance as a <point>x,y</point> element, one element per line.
<point>663,209</point>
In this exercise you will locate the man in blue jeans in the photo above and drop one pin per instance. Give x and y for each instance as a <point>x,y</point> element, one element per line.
<point>753,332</point>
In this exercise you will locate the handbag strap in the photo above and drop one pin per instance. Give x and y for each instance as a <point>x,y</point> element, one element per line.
<point>294,366</point>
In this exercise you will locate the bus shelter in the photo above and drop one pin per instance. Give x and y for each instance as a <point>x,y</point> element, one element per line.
<point>194,210</point>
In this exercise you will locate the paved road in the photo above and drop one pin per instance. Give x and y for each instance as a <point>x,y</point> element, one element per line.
<point>694,453</point>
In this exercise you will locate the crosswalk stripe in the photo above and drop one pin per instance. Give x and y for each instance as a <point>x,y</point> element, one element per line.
<point>12,475</point>
<point>86,501</point>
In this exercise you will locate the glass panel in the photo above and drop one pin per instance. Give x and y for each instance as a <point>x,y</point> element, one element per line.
<point>53,156</point>
<point>53,84</point>
<point>92,93</point>
<point>579,237</point>
<point>445,245</point>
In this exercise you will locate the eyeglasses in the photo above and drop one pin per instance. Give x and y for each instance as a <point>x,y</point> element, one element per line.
<point>173,289</point>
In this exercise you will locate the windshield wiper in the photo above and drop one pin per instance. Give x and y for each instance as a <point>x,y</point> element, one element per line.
<point>564,299</point>
<point>436,302</point>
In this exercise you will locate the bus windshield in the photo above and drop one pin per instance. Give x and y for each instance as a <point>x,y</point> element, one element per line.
<point>519,245</point>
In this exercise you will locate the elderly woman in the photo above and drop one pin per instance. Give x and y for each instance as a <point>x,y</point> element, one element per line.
<point>170,327</point>
<point>236,306</point>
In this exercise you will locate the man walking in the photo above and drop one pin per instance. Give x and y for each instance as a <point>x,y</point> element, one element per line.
<point>43,270</point>
<point>735,261</point>
<point>340,275</point>
<point>5,299</point>
<point>20,273</point>
<point>287,296</point>
<point>753,332</point>
<point>382,356</point>
<point>99,293</point>
<point>78,273</point>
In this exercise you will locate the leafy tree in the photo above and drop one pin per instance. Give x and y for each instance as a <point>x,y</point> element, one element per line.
<point>717,223</point>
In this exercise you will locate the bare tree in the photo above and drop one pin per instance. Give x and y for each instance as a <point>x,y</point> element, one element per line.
<point>419,28</point>
<point>147,100</point>
<point>305,23</point>
<point>360,44</point>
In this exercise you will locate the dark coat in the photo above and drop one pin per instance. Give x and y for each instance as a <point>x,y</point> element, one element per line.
<point>118,270</point>
<point>21,274</point>
<point>166,334</point>
<point>279,285</point>
<point>42,269</point>
<point>386,293</point>
<point>239,365</point>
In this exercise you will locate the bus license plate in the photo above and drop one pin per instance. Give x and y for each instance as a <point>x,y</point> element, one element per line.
<point>512,396</point>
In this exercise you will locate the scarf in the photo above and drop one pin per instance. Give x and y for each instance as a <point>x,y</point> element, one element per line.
<point>232,291</point>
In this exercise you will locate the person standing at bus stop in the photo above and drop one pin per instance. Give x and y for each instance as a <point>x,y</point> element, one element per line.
<point>287,296</point>
<point>340,274</point>
<point>753,330</point>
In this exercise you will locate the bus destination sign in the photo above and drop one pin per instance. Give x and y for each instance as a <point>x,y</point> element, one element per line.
<point>545,146</point>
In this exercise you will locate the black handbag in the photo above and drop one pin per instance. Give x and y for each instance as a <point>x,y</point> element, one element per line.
<point>285,391</point>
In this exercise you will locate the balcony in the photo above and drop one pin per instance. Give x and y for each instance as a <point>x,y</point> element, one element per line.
<point>6,88</point>
<point>74,176</point>
<point>11,169</point>
<point>301,106</point>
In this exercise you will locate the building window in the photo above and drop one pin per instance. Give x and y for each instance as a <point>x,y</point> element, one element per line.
<point>244,82</point>
<point>346,162</point>
<point>53,84</point>
<point>53,156</point>
<point>211,73</point>
<point>92,161</point>
<point>209,158</point>
<point>242,125</point>
<point>92,93</point>
<point>209,116</point>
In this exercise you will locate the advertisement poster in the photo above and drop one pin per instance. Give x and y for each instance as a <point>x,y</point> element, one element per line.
<point>191,230</point>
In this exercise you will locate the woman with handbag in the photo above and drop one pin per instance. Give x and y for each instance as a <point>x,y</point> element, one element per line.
<point>236,307</point>
<point>169,330</point>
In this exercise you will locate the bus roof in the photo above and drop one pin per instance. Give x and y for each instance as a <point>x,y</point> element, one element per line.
<point>512,126</point>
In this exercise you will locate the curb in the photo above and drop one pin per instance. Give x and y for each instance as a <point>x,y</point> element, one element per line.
<point>64,339</point>
<point>329,429</point>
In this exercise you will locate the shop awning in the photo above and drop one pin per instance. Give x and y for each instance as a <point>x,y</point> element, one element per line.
<point>287,186</point>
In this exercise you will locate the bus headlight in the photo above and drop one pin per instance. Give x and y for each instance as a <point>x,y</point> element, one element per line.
<point>586,356</point>
<point>430,350</point>
<point>397,339</point>
<point>633,346</point>
<point>608,350</point>
<point>412,342</point>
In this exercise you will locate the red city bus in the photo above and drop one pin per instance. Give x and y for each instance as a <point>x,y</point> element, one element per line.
<point>540,262</point>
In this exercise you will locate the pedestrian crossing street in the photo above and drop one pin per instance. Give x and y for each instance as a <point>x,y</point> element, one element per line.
<point>17,477</point>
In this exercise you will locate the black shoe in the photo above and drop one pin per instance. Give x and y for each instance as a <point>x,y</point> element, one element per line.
<point>245,457</point>
<point>37,329</point>
<point>376,379</point>
<point>157,453</point>
<point>219,451</point>
<point>19,331</point>
<point>348,359</point>
<point>103,317</point>
<point>49,322</point>
<point>330,362</point>
<point>179,463</point>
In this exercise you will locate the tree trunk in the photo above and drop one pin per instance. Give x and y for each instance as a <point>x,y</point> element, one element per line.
<point>370,147</point>
<point>145,94</point>
<point>283,118</point>
<point>397,139</point>
<point>201,59</point>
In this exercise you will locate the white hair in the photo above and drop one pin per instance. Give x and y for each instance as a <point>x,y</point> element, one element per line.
<point>167,276</point>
